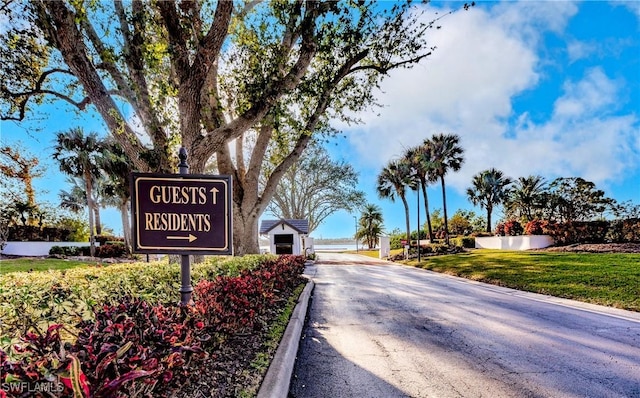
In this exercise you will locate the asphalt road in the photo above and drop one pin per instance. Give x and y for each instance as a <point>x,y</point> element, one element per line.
<point>376,329</point>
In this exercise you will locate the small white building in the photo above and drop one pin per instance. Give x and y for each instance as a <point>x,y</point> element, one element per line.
<point>287,236</point>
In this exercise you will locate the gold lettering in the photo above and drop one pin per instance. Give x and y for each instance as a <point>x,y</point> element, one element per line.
<point>202,193</point>
<point>155,198</point>
<point>207,222</point>
<point>177,222</point>
<point>148,224</point>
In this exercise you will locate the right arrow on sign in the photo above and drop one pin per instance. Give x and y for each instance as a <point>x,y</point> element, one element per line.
<point>190,238</point>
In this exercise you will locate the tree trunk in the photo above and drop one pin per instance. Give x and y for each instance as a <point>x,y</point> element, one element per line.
<point>92,237</point>
<point>406,217</point>
<point>126,228</point>
<point>489,211</point>
<point>96,215</point>
<point>426,209</point>
<point>245,233</point>
<point>444,206</point>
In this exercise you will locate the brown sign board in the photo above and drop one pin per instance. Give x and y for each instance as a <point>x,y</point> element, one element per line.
<point>181,213</point>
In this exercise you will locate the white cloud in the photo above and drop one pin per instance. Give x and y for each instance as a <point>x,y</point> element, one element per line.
<point>485,58</point>
<point>632,5</point>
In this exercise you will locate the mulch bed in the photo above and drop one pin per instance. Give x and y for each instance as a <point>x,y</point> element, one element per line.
<point>597,248</point>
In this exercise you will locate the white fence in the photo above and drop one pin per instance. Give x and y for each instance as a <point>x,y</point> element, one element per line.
<point>521,242</point>
<point>35,248</point>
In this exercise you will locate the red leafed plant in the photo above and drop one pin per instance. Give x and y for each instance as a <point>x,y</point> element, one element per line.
<point>535,227</point>
<point>136,349</point>
<point>232,305</point>
<point>42,361</point>
<point>136,341</point>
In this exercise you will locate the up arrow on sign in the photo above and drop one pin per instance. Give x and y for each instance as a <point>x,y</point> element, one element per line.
<point>181,213</point>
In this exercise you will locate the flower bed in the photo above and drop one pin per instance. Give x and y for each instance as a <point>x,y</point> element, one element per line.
<point>142,347</point>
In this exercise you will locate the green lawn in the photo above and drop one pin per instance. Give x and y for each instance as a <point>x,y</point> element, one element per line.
<point>611,279</point>
<point>36,264</point>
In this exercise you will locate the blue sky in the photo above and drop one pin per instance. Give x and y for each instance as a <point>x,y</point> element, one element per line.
<point>547,88</point>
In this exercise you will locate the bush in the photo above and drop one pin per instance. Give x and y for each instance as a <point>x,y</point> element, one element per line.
<point>513,228</point>
<point>110,250</point>
<point>467,242</point>
<point>104,239</point>
<point>621,231</point>
<point>68,251</point>
<point>578,232</point>
<point>535,227</point>
<point>133,348</point>
<point>37,300</point>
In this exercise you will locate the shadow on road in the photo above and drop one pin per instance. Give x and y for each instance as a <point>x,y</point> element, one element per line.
<point>319,361</point>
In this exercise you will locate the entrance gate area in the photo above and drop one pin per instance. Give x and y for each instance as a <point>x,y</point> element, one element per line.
<point>283,243</point>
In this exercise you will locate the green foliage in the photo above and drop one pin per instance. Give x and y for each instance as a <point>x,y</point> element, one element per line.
<point>395,239</point>
<point>575,199</point>
<point>489,189</point>
<point>40,299</point>
<point>467,242</point>
<point>135,348</point>
<point>627,230</point>
<point>465,222</point>
<point>69,251</point>
<point>79,228</point>
<point>287,67</point>
<point>437,220</point>
<point>370,225</point>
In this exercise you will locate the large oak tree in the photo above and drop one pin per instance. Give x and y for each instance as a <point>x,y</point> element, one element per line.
<point>205,74</point>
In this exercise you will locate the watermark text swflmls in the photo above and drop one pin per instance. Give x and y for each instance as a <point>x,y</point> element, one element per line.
<point>22,387</point>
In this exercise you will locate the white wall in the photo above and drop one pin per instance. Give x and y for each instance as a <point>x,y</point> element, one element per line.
<point>35,248</point>
<point>307,244</point>
<point>385,246</point>
<point>521,242</point>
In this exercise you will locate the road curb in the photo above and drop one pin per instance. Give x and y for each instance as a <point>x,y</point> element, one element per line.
<point>276,381</point>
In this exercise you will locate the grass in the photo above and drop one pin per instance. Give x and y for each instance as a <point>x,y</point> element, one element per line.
<point>373,253</point>
<point>611,279</point>
<point>276,330</point>
<point>37,264</point>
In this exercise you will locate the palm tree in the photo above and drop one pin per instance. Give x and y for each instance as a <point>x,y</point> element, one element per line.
<point>77,155</point>
<point>370,224</point>
<point>489,189</point>
<point>74,200</point>
<point>393,180</point>
<point>527,197</point>
<point>420,158</point>
<point>447,155</point>
<point>116,191</point>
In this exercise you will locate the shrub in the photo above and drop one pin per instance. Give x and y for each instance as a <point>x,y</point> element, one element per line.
<point>513,228</point>
<point>110,250</point>
<point>535,227</point>
<point>467,242</point>
<point>133,348</point>
<point>157,345</point>
<point>571,232</point>
<point>624,230</point>
<point>104,239</point>
<point>39,299</point>
<point>67,251</point>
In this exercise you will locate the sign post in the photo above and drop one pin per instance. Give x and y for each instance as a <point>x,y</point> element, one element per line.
<point>182,214</point>
<point>185,263</point>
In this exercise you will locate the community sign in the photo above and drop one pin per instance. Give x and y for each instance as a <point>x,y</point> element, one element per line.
<point>181,213</point>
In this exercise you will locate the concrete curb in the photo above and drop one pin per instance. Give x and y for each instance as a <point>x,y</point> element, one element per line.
<point>276,381</point>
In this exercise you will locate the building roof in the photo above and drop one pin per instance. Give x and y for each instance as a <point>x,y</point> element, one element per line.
<point>301,226</point>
